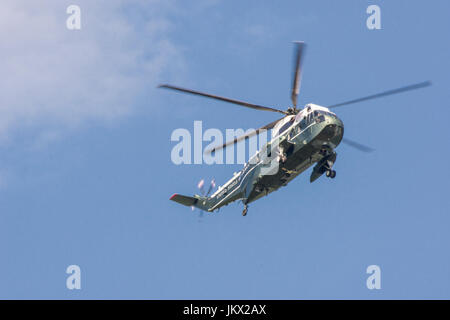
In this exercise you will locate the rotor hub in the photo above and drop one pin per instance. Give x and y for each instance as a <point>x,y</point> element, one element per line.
<point>292,111</point>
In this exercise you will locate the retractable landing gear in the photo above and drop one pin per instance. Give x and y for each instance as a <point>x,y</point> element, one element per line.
<point>330,173</point>
<point>324,166</point>
<point>244,212</point>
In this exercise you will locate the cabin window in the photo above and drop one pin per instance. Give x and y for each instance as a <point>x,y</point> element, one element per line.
<point>292,133</point>
<point>284,127</point>
<point>303,124</point>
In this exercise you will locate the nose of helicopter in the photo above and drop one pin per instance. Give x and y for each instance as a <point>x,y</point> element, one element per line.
<point>333,131</point>
<point>338,122</point>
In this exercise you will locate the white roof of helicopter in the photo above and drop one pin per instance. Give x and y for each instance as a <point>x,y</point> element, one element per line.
<point>310,107</point>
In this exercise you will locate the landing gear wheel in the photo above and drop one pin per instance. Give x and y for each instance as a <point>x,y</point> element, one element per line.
<point>330,174</point>
<point>244,212</point>
<point>333,174</point>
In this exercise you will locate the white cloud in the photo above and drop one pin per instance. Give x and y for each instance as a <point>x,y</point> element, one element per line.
<point>53,77</point>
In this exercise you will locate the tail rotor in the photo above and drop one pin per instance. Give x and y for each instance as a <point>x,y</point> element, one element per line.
<point>201,187</point>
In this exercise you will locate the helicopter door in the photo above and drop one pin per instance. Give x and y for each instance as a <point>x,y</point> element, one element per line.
<point>290,138</point>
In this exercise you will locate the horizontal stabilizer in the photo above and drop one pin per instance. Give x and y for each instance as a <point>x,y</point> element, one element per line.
<point>184,200</point>
<point>197,201</point>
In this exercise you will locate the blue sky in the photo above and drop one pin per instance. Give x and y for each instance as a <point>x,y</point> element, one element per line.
<point>85,170</point>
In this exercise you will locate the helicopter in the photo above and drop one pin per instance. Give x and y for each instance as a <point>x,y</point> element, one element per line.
<point>300,139</point>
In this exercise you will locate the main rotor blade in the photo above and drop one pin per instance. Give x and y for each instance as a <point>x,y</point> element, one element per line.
<point>245,136</point>
<point>241,103</point>
<point>357,145</point>
<point>386,93</point>
<point>297,75</point>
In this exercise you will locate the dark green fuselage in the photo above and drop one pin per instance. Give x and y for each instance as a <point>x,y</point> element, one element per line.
<point>303,143</point>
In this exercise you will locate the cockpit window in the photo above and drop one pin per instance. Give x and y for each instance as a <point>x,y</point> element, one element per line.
<point>315,116</point>
<point>318,115</point>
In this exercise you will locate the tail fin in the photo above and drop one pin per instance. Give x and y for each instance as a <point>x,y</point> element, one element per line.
<point>196,201</point>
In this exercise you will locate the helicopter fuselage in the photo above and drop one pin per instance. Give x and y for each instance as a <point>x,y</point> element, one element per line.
<point>310,138</point>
